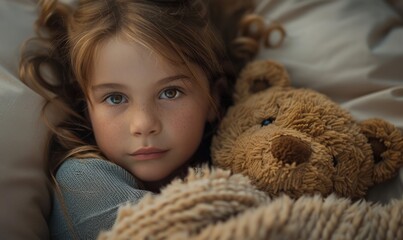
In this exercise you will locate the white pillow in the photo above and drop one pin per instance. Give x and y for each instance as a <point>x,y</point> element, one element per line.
<point>25,200</point>
<point>350,50</point>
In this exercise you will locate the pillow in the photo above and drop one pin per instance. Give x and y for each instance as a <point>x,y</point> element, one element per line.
<point>340,48</point>
<point>25,199</point>
<point>349,50</point>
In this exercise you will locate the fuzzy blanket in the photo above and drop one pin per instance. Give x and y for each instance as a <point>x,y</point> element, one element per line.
<point>217,205</point>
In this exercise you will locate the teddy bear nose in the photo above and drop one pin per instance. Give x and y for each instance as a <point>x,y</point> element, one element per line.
<point>290,149</point>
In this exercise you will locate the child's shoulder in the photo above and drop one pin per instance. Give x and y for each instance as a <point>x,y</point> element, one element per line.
<point>80,172</point>
<point>83,166</point>
<point>87,164</point>
<point>92,191</point>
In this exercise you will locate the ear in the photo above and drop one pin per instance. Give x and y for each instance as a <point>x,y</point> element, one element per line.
<point>387,145</point>
<point>258,76</point>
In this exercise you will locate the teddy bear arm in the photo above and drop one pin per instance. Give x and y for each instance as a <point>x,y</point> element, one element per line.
<point>386,141</point>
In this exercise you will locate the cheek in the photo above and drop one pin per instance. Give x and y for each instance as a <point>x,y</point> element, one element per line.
<point>188,122</point>
<point>106,132</point>
<point>103,130</point>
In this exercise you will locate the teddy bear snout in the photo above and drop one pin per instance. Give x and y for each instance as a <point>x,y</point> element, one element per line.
<point>290,149</point>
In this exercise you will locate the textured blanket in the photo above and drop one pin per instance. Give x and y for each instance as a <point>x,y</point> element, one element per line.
<point>217,205</point>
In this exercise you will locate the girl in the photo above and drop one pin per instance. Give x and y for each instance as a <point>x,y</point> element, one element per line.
<point>139,83</point>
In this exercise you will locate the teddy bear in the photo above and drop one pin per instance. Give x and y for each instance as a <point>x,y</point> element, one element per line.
<point>298,141</point>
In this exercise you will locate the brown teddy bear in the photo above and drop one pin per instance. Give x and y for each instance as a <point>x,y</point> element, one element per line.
<point>298,141</point>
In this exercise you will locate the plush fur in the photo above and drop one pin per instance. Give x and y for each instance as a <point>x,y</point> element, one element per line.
<point>298,141</point>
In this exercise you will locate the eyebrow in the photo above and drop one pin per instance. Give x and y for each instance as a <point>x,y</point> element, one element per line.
<point>120,86</point>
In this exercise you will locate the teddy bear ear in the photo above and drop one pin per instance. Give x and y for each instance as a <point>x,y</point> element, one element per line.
<point>386,141</point>
<point>258,76</point>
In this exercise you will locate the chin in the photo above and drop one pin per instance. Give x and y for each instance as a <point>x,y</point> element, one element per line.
<point>151,176</point>
<point>154,179</point>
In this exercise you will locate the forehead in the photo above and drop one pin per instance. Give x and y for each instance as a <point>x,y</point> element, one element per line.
<point>118,57</point>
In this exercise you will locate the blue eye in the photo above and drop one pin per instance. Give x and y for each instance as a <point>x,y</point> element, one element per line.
<point>115,99</point>
<point>267,121</point>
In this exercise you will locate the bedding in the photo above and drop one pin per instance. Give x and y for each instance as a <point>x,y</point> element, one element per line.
<point>218,205</point>
<point>350,50</point>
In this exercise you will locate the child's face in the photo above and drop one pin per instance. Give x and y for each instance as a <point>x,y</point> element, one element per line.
<point>148,115</point>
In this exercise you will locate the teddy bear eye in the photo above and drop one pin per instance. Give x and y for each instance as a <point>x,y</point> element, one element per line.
<point>267,121</point>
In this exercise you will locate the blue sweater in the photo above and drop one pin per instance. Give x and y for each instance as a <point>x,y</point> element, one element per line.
<point>93,190</point>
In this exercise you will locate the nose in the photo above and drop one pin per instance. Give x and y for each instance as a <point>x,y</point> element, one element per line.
<point>291,150</point>
<point>145,121</point>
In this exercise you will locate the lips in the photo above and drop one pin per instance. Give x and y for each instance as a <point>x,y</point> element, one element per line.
<point>148,153</point>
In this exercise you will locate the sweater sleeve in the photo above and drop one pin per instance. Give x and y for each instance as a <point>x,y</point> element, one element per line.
<point>92,191</point>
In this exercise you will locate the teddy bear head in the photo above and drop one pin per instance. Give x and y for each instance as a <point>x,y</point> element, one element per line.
<point>298,141</point>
